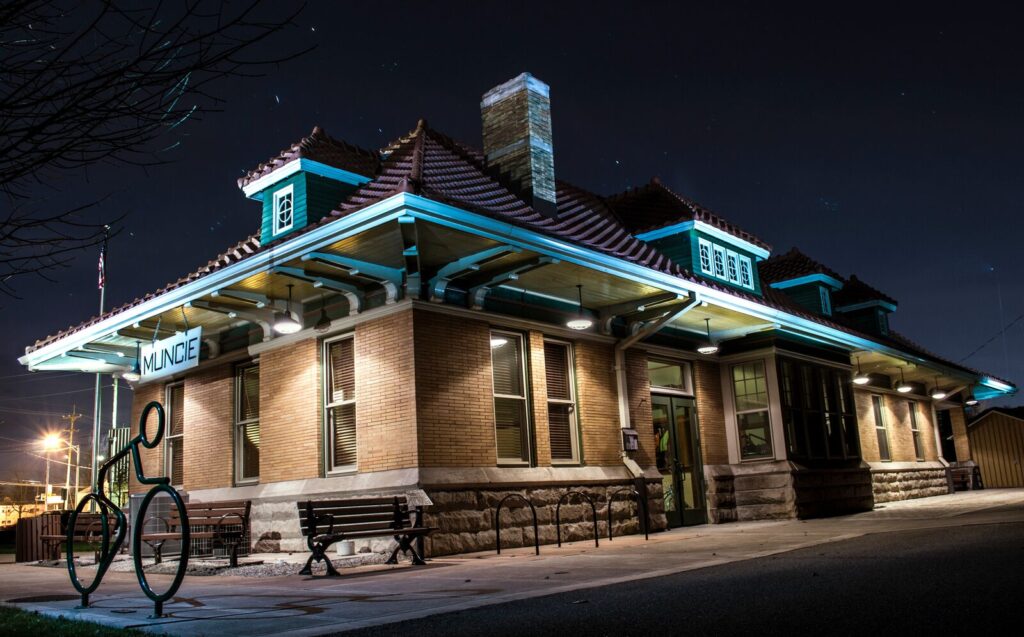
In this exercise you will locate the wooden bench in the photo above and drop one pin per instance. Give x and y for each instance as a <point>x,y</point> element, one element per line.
<point>325,522</point>
<point>88,530</point>
<point>961,479</point>
<point>224,522</point>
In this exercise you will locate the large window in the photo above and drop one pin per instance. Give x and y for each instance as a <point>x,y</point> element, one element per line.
<point>880,428</point>
<point>558,370</point>
<point>750,390</point>
<point>818,415</point>
<point>670,377</point>
<point>247,423</point>
<point>915,430</point>
<point>511,425</point>
<point>284,209</point>
<point>340,403</point>
<point>174,459</point>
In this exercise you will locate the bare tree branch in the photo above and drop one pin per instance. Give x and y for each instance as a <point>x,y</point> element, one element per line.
<point>109,82</point>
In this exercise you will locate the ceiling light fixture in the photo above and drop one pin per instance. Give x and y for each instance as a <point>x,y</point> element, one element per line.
<point>861,378</point>
<point>904,387</point>
<point>134,374</point>
<point>938,393</point>
<point>285,324</point>
<point>971,400</point>
<point>709,347</point>
<point>580,322</point>
<point>324,322</point>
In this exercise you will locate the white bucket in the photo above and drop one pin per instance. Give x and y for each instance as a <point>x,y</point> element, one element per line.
<point>346,548</point>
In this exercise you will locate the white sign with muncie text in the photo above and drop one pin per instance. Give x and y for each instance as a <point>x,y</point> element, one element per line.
<point>171,355</point>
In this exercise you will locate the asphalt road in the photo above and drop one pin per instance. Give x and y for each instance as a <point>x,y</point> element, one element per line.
<point>950,581</point>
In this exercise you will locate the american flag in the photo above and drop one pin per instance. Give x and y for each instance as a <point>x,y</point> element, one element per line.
<point>103,271</point>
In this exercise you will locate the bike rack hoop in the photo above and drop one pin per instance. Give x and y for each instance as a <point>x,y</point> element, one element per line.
<point>558,514</point>
<point>497,521</point>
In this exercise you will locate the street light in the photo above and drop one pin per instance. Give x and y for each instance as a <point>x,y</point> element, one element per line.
<point>49,444</point>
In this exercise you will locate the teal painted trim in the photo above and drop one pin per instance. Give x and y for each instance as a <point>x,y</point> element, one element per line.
<point>757,251</point>
<point>449,216</point>
<point>835,284</point>
<point>885,305</point>
<point>667,231</point>
<point>997,385</point>
<point>255,189</point>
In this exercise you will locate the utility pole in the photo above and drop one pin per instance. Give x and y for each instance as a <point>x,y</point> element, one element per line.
<point>71,418</point>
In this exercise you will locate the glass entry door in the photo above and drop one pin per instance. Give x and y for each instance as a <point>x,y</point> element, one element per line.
<point>677,453</point>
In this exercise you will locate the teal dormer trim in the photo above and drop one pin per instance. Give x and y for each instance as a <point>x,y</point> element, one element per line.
<point>256,189</point>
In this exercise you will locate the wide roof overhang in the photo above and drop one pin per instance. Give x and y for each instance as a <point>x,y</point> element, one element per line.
<point>375,248</point>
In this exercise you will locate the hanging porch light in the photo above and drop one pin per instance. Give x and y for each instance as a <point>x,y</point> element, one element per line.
<point>580,322</point>
<point>904,387</point>
<point>710,347</point>
<point>284,323</point>
<point>860,378</point>
<point>937,392</point>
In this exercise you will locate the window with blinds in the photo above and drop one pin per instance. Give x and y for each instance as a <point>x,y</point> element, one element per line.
<point>510,406</point>
<point>558,371</point>
<point>247,423</point>
<point>174,447</point>
<point>340,403</point>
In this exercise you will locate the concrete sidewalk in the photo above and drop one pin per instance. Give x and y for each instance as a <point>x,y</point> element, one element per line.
<point>372,595</point>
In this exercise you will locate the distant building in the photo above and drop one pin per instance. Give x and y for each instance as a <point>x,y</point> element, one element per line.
<point>11,513</point>
<point>458,325</point>
<point>997,446</point>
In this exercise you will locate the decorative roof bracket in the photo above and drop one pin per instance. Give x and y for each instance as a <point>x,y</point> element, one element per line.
<point>388,277</point>
<point>466,265</point>
<point>352,294</point>
<point>263,317</point>
<point>478,293</point>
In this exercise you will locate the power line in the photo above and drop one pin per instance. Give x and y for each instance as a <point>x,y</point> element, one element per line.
<point>994,337</point>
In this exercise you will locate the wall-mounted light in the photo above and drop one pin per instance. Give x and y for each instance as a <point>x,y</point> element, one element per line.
<point>580,322</point>
<point>860,378</point>
<point>285,324</point>
<point>324,322</point>
<point>904,387</point>
<point>710,347</point>
<point>937,392</point>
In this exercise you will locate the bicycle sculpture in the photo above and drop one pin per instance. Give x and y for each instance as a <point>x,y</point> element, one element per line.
<point>108,548</point>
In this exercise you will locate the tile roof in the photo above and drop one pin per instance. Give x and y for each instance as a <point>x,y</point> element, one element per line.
<point>792,265</point>
<point>856,291</point>
<point>1013,412</point>
<point>320,147</point>
<point>654,206</point>
<point>433,165</point>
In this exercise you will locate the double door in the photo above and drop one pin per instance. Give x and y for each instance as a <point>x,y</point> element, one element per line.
<point>677,439</point>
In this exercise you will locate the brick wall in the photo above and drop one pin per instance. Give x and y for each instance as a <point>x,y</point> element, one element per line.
<point>960,440</point>
<point>897,422</point>
<point>152,459</point>
<point>598,403</point>
<point>290,423</point>
<point>385,394</point>
<point>638,388</point>
<point>707,383</point>
<point>539,398</point>
<point>209,414</point>
<point>454,403</point>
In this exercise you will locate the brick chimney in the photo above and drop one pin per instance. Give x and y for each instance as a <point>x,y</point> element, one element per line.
<point>517,137</point>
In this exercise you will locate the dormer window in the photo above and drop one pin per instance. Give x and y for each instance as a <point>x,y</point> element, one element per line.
<point>826,301</point>
<point>705,257</point>
<point>732,267</point>
<point>284,209</point>
<point>746,276</point>
<point>719,262</point>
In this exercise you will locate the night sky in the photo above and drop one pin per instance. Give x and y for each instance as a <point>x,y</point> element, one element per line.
<point>883,144</point>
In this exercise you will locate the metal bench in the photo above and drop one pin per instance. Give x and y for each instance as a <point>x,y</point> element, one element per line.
<point>224,522</point>
<point>88,530</point>
<point>325,522</point>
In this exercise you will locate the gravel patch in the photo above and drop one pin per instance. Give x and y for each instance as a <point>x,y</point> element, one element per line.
<point>209,567</point>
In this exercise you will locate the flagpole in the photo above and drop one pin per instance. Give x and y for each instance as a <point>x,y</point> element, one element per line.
<point>97,416</point>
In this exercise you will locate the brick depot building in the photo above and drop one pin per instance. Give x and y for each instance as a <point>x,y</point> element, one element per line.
<point>457,325</point>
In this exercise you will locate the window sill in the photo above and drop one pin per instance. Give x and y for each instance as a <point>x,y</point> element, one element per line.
<point>247,483</point>
<point>344,471</point>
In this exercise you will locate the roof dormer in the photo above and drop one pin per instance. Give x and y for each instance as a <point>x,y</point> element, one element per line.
<point>806,282</point>
<point>306,181</point>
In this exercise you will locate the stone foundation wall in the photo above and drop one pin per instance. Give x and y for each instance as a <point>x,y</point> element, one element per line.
<point>464,518</point>
<point>890,486</point>
<point>824,492</point>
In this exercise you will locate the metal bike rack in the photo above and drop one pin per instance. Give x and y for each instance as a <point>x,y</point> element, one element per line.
<point>641,510</point>
<point>497,522</point>
<point>558,514</point>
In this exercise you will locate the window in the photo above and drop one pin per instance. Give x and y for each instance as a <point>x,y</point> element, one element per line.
<point>817,411</point>
<point>880,430</point>
<point>340,403</point>
<point>826,301</point>
<point>746,274</point>
<point>719,254</point>
<point>247,423</point>
<point>558,370</point>
<point>915,430</point>
<point>284,209</point>
<point>705,256</point>
<point>174,459</point>
<point>750,389</point>
<point>674,377</point>
<point>732,266</point>
<point>510,408</point>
